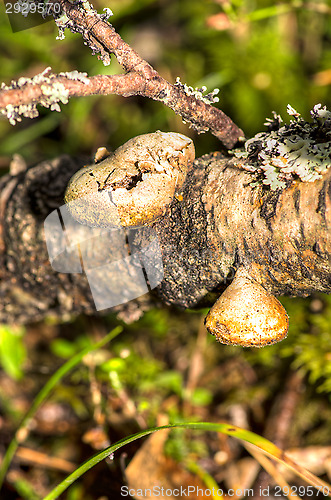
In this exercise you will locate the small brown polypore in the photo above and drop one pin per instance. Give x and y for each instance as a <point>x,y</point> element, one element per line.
<point>247,315</point>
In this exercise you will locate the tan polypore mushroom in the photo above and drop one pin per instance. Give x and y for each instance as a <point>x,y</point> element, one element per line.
<point>247,315</point>
<point>135,185</point>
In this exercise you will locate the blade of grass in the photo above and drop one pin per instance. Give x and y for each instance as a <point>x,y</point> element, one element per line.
<point>208,480</point>
<point>44,393</point>
<point>261,443</point>
<point>272,470</point>
<point>15,142</point>
<point>24,489</point>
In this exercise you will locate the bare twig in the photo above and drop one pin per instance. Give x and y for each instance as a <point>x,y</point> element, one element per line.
<point>283,409</point>
<point>280,419</point>
<point>40,459</point>
<point>124,85</point>
<point>196,367</point>
<point>270,468</point>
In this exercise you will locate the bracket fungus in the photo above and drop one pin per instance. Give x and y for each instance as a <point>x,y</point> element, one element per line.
<point>247,315</point>
<point>134,185</point>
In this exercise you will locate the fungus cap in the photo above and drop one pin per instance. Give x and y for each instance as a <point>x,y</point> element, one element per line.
<point>247,315</point>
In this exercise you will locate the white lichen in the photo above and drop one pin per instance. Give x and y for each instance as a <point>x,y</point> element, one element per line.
<point>76,75</point>
<point>39,78</point>
<point>198,93</point>
<point>11,114</point>
<point>15,113</point>
<point>63,22</point>
<point>107,14</point>
<point>298,150</point>
<point>53,92</point>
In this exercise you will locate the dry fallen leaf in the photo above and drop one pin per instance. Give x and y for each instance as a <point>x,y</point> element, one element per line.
<point>151,470</point>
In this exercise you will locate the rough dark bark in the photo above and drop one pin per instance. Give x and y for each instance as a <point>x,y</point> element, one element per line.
<point>282,238</point>
<point>219,223</point>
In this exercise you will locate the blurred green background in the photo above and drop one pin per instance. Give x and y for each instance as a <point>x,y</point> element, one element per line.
<point>262,55</point>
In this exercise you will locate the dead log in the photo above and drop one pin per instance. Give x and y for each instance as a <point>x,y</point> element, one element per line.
<point>218,223</point>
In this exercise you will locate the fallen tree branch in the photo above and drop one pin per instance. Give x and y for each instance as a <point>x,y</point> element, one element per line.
<point>220,223</point>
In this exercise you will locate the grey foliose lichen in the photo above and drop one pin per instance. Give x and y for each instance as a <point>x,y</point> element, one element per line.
<point>76,75</point>
<point>298,150</point>
<point>53,93</point>
<point>63,22</point>
<point>199,93</point>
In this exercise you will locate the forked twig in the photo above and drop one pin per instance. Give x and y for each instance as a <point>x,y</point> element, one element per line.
<point>140,79</point>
